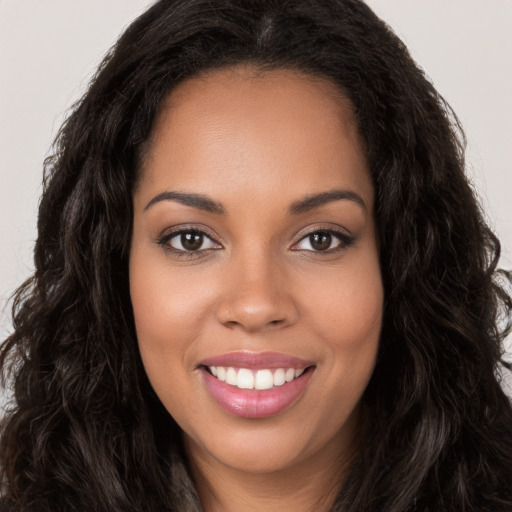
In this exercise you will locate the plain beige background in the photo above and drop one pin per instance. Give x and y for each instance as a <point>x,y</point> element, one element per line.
<point>49,50</point>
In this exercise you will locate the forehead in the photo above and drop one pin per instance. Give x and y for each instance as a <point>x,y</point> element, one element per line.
<point>256,131</point>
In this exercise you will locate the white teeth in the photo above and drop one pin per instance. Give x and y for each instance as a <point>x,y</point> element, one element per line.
<point>243,378</point>
<point>221,373</point>
<point>279,377</point>
<point>231,377</point>
<point>264,379</point>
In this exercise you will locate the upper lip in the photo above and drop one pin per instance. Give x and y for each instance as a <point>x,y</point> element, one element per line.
<point>257,360</point>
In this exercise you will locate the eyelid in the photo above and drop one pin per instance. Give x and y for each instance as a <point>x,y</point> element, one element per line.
<point>343,235</point>
<point>169,233</point>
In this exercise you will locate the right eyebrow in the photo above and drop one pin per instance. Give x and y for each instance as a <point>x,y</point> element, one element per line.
<point>315,201</point>
<point>199,201</point>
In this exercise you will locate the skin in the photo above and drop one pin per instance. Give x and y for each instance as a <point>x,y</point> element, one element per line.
<point>258,142</point>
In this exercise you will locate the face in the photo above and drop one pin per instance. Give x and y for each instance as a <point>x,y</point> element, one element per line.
<point>254,270</point>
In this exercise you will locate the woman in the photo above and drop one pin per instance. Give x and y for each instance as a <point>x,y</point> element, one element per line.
<point>262,281</point>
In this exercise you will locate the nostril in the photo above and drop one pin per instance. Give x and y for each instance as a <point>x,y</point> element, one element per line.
<point>251,324</point>
<point>253,313</point>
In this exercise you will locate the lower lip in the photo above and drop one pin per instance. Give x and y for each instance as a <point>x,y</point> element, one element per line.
<point>252,403</point>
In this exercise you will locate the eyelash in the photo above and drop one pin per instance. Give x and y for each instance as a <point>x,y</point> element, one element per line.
<point>165,240</point>
<point>344,239</point>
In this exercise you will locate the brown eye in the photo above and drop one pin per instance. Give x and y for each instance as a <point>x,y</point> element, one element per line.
<point>184,241</point>
<point>320,241</point>
<point>324,240</point>
<point>191,241</point>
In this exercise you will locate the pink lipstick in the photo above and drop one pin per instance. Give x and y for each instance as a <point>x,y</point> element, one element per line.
<point>255,385</point>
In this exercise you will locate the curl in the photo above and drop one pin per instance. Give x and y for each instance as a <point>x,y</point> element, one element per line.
<point>85,430</point>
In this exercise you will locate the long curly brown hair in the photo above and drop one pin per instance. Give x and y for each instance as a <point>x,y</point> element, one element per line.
<point>85,431</point>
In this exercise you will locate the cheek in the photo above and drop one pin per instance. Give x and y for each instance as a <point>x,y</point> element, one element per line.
<point>162,319</point>
<point>349,304</point>
<point>346,312</point>
<point>358,313</point>
<point>166,321</point>
<point>171,309</point>
<point>168,306</point>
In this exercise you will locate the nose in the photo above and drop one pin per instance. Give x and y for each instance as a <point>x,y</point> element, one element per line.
<point>256,296</point>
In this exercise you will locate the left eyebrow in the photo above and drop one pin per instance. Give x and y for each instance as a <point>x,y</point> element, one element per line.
<point>315,201</point>
<point>198,201</point>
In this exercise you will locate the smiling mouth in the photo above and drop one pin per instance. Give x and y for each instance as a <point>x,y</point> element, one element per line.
<point>256,384</point>
<point>251,379</point>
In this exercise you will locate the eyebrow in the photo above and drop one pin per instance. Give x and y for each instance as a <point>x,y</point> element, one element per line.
<point>315,201</point>
<point>202,202</point>
<point>197,201</point>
